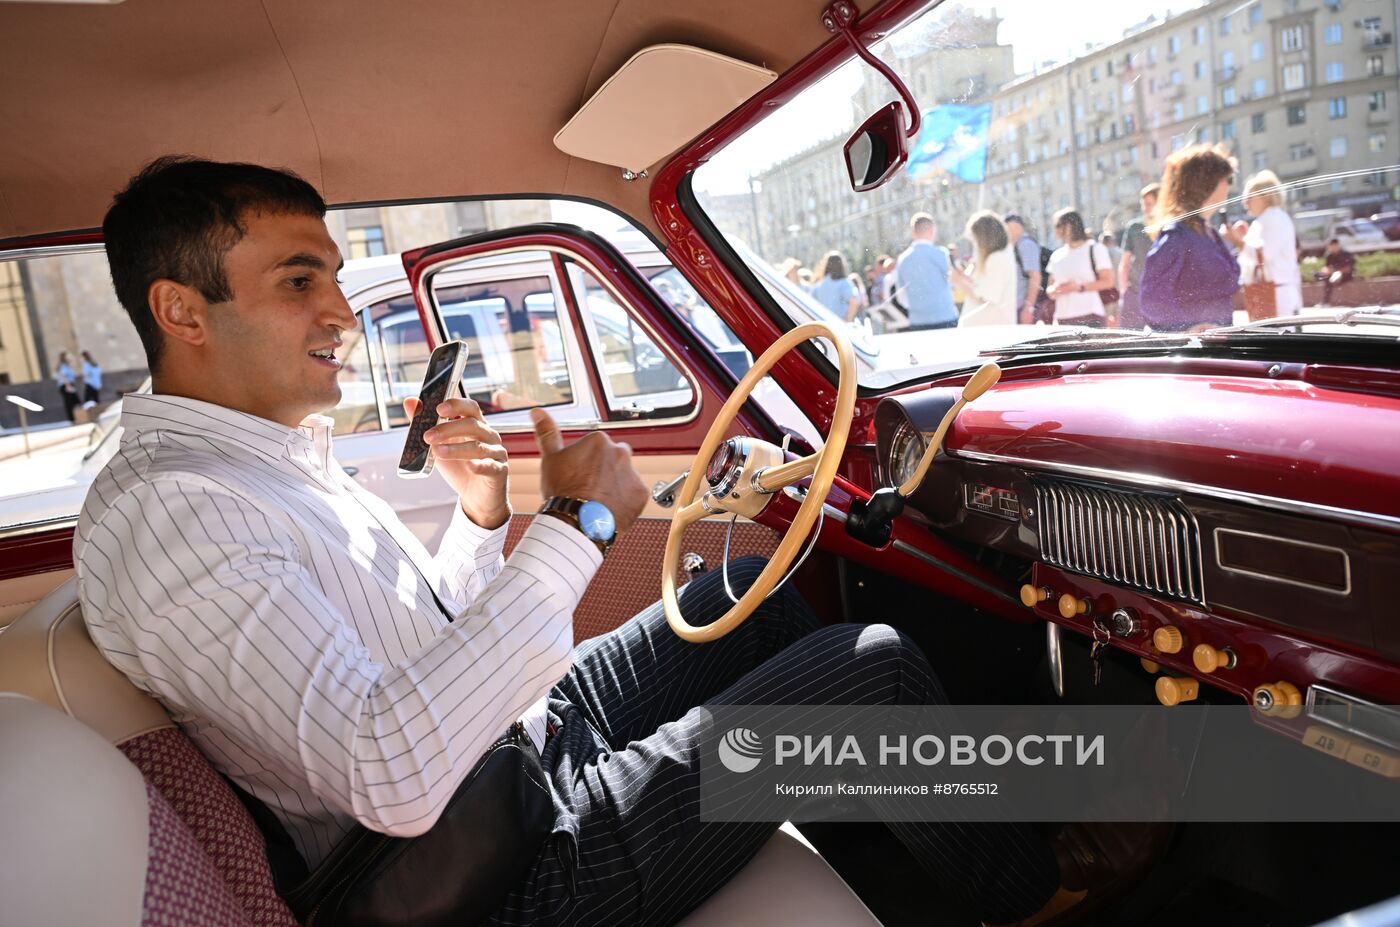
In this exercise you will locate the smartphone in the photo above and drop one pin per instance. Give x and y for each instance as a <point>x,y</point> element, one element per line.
<point>444,373</point>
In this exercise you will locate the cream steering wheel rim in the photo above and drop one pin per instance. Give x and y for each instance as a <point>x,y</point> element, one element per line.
<point>821,466</point>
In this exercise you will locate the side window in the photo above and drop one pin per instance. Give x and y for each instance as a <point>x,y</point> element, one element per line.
<point>691,306</point>
<point>639,379</point>
<point>520,347</point>
<point>358,410</point>
<point>512,328</point>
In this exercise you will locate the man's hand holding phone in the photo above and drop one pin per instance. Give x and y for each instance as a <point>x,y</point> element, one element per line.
<point>592,468</point>
<point>469,454</point>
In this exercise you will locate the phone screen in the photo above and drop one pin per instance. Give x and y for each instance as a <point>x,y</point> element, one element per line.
<point>444,369</point>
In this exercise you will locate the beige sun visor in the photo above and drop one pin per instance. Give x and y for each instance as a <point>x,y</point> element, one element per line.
<point>664,96</point>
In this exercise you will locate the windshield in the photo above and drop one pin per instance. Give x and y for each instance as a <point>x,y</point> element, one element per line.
<point>1161,171</point>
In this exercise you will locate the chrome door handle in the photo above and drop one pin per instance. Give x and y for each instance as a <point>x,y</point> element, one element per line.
<point>351,471</point>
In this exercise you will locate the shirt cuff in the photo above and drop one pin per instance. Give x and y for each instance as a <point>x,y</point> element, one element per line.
<point>472,543</point>
<point>559,556</point>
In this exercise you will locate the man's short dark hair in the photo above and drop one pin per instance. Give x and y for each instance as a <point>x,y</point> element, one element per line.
<point>1013,217</point>
<point>1334,241</point>
<point>178,218</point>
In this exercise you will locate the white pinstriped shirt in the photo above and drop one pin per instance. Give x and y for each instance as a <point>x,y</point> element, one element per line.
<point>285,617</point>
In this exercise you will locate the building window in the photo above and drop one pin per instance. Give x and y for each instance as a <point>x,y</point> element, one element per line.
<point>1094,73</point>
<point>1176,78</point>
<point>1375,65</point>
<point>1295,76</point>
<point>1202,135</point>
<point>1200,69</point>
<point>1334,72</point>
<point>1299,150</point>
<point>1332,34</point>
<point>1259,88</point>
<point>1202,104</point>
<point>1152,55</point>
<point>1227,130</point>
<point>1376,101</point>
<point>366,242</point>
<point>1297,115</point>
<point>1377,142</point>
<point>1257,122</point>
<point>1178,112</point>
<point>1224,25</point>
<point>1337,108</point>
<point>1261,160</point>
<point>1173,45</point>
<point>1338,148</point>
<point>1227,97</point>
<point>1198,35</point>
<point>1256,14</point>
<point>1291,39</point>
<point>1227,60</point>
<point>1256,50</point>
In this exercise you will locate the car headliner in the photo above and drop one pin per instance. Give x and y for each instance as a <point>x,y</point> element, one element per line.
<point>370,101</point>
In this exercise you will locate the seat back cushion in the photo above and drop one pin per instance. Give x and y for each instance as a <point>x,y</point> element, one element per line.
<point>86,841</point>
<point>47,655</point>
<point>214,815</point>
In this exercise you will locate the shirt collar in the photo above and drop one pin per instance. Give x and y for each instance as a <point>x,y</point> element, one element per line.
<point>182,415</point>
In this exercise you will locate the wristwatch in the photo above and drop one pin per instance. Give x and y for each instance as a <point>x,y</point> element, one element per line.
<point>593,518</point>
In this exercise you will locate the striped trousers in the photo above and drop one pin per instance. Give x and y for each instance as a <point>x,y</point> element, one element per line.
<point>628,845</point>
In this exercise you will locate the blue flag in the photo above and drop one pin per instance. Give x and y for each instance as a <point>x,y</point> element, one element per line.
<point>953,139</point>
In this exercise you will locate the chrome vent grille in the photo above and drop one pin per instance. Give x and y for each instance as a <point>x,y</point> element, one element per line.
<point>1148,542</point>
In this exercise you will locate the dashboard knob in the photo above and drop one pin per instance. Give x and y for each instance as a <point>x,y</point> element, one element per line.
<point>1150,666</point>
<point>1173,690</point>
<point>1208,659</point>
<point>1280,699</point>
<point>1168,639</point>
<point>1031,596</point>
<point>1071,606</point>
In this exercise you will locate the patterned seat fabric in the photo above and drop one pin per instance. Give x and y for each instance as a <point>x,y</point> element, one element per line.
<point>183,889</point>
<point>217,820</point>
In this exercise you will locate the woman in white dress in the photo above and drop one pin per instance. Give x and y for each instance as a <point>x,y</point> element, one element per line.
<point>1271,236</point>
<point>991,287</point>
<point>1079,271</point>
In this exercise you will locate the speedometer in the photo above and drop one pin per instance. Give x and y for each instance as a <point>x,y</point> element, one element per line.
<point>906,451</point>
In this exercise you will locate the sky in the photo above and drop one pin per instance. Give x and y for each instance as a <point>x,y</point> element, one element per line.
<point>1037,30</point>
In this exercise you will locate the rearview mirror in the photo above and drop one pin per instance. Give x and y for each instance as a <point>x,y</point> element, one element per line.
<point>877,149</point>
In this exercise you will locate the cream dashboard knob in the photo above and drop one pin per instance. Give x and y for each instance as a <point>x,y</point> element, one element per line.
<point>1173,690</point>
<point>1150,665</point>
<point>1168,639</point>
<point>1031,596</point>
<point>1071,606</point>
<point>1281,699</point>
<point>1208,659</point>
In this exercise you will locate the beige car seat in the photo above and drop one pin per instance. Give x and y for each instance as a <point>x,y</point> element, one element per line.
<point>46,654</point>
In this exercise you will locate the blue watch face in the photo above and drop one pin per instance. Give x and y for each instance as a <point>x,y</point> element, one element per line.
<point>596,522</point>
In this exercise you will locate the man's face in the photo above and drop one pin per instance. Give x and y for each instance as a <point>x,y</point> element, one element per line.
<point>263,344</point>
<point>1014,231</point>
<point>1333,247</point>
<point>1149,203</point>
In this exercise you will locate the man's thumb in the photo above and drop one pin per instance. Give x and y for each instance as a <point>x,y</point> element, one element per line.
<point>546,432</point>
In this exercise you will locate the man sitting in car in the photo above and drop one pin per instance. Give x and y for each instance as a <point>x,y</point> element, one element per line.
<point>330,666</point>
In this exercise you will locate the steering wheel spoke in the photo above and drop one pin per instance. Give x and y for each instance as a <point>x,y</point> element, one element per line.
<point>794,471</point>
<point>690,514</point>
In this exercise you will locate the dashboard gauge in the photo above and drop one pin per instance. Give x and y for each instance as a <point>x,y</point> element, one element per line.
<point>906,451</point>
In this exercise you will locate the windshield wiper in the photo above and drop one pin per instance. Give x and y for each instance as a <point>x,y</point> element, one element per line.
<point>1089,338</point>
<point>1348,317</point>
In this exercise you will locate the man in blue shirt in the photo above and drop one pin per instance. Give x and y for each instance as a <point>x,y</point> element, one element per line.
<point>921,275</point>
<point>1028,279</point>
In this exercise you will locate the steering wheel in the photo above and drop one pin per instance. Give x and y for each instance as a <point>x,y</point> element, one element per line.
<point>742,473</point>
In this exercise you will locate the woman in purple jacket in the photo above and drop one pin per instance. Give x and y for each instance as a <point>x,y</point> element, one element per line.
<point>1190,276</point>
